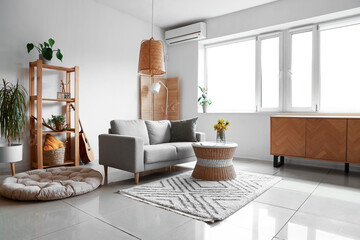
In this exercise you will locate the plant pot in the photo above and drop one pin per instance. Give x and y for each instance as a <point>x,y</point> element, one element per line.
<point>59,126</point>
<point>10,154</point>
<point>205,108</point>
<point>45,61</point>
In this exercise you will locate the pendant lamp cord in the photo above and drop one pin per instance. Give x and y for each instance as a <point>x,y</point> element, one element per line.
<point>152,18</point>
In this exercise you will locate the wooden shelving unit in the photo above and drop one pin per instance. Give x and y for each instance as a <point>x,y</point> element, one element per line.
<point>36,100</point>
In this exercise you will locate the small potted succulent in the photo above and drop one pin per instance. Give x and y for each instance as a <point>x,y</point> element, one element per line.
<point>45,50</point>
<point>13,106</point>
<point>58,122</point>
<point>203,100</point>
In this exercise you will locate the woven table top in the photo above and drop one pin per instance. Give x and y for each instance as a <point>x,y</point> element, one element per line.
<point>214,145</point>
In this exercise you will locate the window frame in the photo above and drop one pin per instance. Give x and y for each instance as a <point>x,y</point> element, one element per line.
<point>334,24</point>
<point>315,81</point>
<point>285,35</point>
<point>205,74</point>
<point>258,87</point>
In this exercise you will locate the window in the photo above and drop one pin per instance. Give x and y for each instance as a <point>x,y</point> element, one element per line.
<point>231,76</point>
<point>300,70</point>
<point>269,71</point>
<point>305,69</point>
<point>340,71</point>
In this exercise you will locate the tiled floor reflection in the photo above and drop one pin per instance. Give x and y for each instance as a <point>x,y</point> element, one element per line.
<point>308,203</point>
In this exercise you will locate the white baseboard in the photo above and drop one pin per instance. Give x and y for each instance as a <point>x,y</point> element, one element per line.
<point>5,168</point>
<point>304,162</point>
<point>257,157</point>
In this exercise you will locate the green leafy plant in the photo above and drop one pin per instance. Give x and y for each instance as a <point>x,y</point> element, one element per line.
<point>13,106</point>
<point>56,119</point>
<point>45,49</point>
<point>204,99</point>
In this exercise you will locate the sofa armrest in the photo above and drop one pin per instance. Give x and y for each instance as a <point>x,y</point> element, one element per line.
<point>200,136</point>
<point>122,152</point>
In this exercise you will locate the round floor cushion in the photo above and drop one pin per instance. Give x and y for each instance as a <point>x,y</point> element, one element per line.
<point>50,184</point>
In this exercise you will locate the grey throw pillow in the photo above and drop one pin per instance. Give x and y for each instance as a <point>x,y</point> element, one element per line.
<point>184,130</point>
<point>135,128</point>
<point>159,131</point>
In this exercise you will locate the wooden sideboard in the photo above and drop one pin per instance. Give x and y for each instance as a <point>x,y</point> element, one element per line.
<point>318,137</point>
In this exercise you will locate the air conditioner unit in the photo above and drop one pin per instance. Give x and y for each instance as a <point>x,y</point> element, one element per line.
<point>188,33</point>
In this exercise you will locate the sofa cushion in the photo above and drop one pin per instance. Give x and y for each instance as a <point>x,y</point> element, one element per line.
<point>183,149</point>
<point>159,153</point>
<point>184,130</point>
<point>135,128</point>
<point>159,131</point>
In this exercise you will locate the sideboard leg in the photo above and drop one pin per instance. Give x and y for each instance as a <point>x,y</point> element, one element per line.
<point>276,161</point>
<point>282,160</point>
<point>276,158</point>
<point>347,167</point>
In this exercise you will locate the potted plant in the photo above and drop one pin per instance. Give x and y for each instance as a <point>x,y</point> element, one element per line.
<point>12,118</point>
<point>45,50</point>
<point>203,99</point>
<point>57,121</point>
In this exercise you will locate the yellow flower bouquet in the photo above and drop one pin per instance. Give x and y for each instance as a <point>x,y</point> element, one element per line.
<point>220,127</point>
<point>221,124</point>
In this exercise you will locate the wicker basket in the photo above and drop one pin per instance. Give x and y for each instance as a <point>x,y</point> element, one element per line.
<point>54,157</point>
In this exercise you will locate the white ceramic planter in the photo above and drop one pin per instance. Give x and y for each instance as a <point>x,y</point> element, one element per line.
<point>43,59</point>
<point>11,154</point>
<point>205,107</point>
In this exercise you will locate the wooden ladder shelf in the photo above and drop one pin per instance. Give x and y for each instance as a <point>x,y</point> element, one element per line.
<point>36,103</point>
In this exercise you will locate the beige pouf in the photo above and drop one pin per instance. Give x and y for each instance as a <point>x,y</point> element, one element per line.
<point>50,184</point>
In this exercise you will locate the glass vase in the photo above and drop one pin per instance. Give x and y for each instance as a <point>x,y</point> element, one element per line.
<point>220,136</point>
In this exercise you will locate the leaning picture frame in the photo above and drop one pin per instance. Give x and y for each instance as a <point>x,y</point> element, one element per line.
<point>63,95</point>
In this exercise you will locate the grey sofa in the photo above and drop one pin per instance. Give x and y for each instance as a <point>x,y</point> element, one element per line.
<point>137,146</point>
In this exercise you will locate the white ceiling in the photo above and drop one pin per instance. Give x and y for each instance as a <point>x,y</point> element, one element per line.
<point>174,13</point>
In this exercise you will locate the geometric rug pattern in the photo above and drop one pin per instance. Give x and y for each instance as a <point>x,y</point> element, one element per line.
<point>208,201</point>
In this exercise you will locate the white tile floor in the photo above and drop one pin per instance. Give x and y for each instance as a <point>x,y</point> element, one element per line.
<point>309,203</point>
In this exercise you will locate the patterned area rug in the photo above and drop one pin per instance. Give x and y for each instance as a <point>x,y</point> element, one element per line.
<point>208,201</point>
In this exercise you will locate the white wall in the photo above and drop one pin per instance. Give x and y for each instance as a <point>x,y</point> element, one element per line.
<point>275,13</point>
<point>102,41</point>
<point>250,131</point>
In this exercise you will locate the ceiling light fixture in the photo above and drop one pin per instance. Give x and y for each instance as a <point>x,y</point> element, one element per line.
<point>151,58</point>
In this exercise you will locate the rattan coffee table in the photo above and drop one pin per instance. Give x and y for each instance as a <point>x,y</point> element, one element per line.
<point>214,161</point>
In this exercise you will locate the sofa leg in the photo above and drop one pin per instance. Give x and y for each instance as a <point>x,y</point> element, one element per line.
<point>106,172</point>
<point>136,175</point>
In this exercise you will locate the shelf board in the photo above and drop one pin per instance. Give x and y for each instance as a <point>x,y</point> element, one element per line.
<point>66,162</point>
<point>71,130</point>
<point>33,64</point>
<point>34,98</point>
<point>60,99</point>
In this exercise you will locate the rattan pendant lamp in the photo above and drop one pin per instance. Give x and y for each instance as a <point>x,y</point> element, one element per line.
<point>151,59</point>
